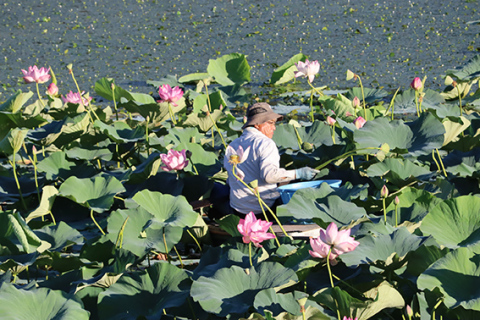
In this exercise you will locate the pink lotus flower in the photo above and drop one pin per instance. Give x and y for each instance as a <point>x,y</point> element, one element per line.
<point>174,160</point>
<point>331,121</point>
<point>235,157</point>
<point>169,94</point>
<point>76,98</point>
<point>345,318</point>
<point>36,75</point>
<point>52,90</point>
<point>254,230</point>
<point>416,84</point>
<point>338,241</point>
<point>307,69</point>
<point>384,192</point>
<point>359,122</point>
<point>356,102</point>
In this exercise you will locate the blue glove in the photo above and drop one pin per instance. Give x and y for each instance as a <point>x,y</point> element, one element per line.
<point>306,173</point>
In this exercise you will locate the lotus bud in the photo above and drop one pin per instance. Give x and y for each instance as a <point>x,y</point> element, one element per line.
<point>416,84</point>
<point>448,80</point>
<point>348,114</point>
<point>34,150</point>
<point>384,192</point>
<point>331,121</point>
<point>221,107</point>
<point>307,146</point>
<point>356,102</point>
<point>188,153</point>
<point>350,75</point>
<point>112,86</point>
<point>52,90</point>
<point>359,122</point>
<point>244,119</point>
<point>409,311</point>
<point>397,201</point>
<point>253,184</point>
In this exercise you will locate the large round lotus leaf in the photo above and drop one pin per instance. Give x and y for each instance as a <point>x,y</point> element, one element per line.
<point>13,141</point>
<point>371,94</point>
<point>205,162</point>
<point>57,166</point>
<point>402,169</point>
<point>463,164</point>
<point>310,203</point>
<point>120,132</point>
<point>457,275</point>
<point>233,290</point>
<point>145,295</point>
<point>319,133</point>
<point>467,72</point>
<point>428,134</point>
<point>380,248</point>
<point>405,101</point>
<point>168,210</point>
<point>94,193</point>
<point>230,69</point>
<point>217,258</point>
<point>140,235</point>
<point>39,304</point>
<point>276,303</point>
<point>60,236</point>
<point>454,222</point>
<point>177,135</point>
<point>285,72</point>
<point>89,153</point>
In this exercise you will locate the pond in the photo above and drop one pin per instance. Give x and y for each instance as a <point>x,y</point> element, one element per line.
<point>386,42</point>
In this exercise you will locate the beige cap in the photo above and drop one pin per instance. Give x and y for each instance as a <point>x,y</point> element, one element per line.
<point>259,113</point>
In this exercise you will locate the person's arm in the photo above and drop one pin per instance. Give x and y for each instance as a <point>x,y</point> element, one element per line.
<point>270,170</point>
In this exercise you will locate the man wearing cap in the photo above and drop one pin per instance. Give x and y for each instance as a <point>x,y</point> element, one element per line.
<point>262,163</point>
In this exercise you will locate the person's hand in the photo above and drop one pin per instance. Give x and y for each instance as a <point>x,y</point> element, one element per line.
<point>306,173</point>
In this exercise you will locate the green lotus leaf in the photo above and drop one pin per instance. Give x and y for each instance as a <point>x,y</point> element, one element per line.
<point>233,290</point>
<point>89,153</point>
<point>156,112</point>
<point>460,217</point>
<point>194,77</point>
<point>423,257</point>
<point>72,129</point>
<point>16,102</point>
<point>145,294</point>
<point>470,71</point>
<point>120,132</point>
<point>338,104</point>
<point>312,203</point>
<point>47,134</point>
<point>57,166</point>
<point>9,121</point>
<point>457,275</point>
<point>140,234</point>
<point>276,303</point>
<point>49,193</point>
<point>13,141</point>
<point>177,135</point>
<point>405,101</point>
<point>17,236</point>
<point>454,128</point>
<point>202,121</point>
<point>319,133</point>
<point>39,303</point>
<point>380,130</point>
<point>94,193</point>
<point>200,103</point>
<point>379,249</point>
<point>217,258</point>
<point>60,236</point>
<point>167,209</point>
<point>397,171</point>
<point>285,72</point>
<point>206,163</point>
<point>463,164</point>
<point>371,94</point>
<point>230,69</point>
<point>103,88</point>
<point>428,134</point>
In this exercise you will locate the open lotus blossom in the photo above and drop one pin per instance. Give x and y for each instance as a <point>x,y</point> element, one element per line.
<point>36,75</point>
<point>169,94</point>
<point>338,241</point>
<point>416,84</point>
<point>174,160</point>
<point>359,122</point>
<point>74,97</point>
<point>254,230</point>
<point>331,121</point>
<point>52,90</point>
<point>307,69</point>
<point>235,157</point>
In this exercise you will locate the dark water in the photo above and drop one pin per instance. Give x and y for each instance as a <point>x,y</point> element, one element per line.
<point>387,42</point>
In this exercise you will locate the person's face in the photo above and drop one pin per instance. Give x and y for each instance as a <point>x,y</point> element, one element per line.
<point>267,128</point>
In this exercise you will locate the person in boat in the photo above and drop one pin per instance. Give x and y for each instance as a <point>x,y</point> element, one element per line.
<point>260,161</point>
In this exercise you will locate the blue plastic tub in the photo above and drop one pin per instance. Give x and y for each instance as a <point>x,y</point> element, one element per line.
<point>287,191</point>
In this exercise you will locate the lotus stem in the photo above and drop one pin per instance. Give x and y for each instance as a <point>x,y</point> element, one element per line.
<point>179,257</point>
<point>328,267</point>
<point>315,89</point>
<point>265,215</point>
<point>441,163</point>
<point>333,134</point>
<point>35,176</point>
<point>166,247</point>
<point>436,162</point>
<point>95,221</point>
<point>346,154</point>
<point>114,102</point>
<point>146,136</point>
<point>384,210</point>
<point>195,239</point>
<point>218,130</point>
<point>208,97</point>
<point>435,307</point>
<point>119,242</point>
<point>262,203</point>
<point>392,103</point>
<point>302,308</point>
<point>396,215</point>
<point>53,218</point>
<point>89,108</point>
<point>14,166</point>
<point>416,103</point>
<point>250,253</point>
<point>311,105</point>
<point>299,139</point>
<point>363,97</point>
<point>39,96</point>
<point>459,100</point>
<point>172,115</point>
